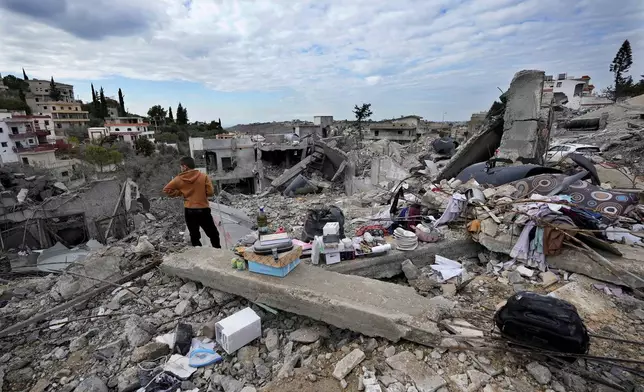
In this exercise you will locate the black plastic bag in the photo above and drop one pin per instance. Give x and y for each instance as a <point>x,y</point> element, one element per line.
<point>317,218</point>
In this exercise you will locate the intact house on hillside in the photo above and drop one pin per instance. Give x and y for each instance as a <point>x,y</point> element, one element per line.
<point>26,140</point>
<point>64,115</point>
<point>125,129</point>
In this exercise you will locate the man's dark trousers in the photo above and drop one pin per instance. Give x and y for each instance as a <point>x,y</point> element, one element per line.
<point>201,217</point>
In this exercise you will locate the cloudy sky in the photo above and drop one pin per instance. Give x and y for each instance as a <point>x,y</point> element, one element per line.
<point>248,61</point>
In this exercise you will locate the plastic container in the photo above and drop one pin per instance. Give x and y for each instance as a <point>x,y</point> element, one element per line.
<point>331,228</point>
<point>264,269</point>
<point>236,331</point>
<point>262,221</point>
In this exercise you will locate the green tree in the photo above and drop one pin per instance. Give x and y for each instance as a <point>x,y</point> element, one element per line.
<point>101,156</point>
<point>157,113</point>
<point>362,113</point>
<point>170,116</point>
<point>78,132</point>
<point>620,67</point>
<point>144,146</point>
<point>13,83</point>
<point>103,104</point>
<point>96,107</point>
<point>121,110</point>
<point>14,104</point>
<point>54,92</point>
<point>24,75</point>
<point>167,137</point>
<point>182,115</point>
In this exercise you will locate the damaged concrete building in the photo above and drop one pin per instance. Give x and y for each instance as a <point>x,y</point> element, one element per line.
<point>401,130</point>
<point>71,218</point>
<point>235,161</point>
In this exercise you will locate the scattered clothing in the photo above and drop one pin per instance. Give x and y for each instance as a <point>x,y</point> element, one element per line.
<point>455,206</point>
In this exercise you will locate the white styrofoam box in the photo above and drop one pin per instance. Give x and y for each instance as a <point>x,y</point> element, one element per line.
<point>332,258</point>
<point>331,228</point>
<point>236,331</point>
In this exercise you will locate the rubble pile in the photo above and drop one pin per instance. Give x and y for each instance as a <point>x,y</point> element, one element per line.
<point>449,252</point>
<point>620,140</point>
<point>23,187</point>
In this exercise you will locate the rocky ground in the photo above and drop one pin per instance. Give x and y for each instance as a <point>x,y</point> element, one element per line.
<point>105,343</point>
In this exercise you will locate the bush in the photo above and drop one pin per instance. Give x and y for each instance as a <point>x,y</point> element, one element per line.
<point>144,146</point>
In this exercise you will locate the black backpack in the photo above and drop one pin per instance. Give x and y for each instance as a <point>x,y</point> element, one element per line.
<point>543,322</point>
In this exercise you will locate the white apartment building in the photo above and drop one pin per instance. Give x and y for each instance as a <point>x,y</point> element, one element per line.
<point>573,92</point>
<point>126,129</point>
<point>23,140</point>
<point>27,140</point>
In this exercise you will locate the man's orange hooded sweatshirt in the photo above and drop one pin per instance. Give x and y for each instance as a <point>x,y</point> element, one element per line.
<point>194,186</point>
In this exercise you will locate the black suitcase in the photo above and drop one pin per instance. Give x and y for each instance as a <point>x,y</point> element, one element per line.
<point>543,322</point>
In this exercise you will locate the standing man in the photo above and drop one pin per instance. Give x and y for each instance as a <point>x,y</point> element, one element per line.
<point>195,187</point>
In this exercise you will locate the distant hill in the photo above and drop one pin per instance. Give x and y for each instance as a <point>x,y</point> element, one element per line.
<point>262,128</point>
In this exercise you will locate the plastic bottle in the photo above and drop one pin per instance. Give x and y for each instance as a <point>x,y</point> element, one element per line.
<point>262,221</point>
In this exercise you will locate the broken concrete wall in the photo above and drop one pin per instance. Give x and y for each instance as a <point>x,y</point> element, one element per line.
<point>385,170</point>
<point>231,160</point>
<point>526,129</point>
<point>97,203</point>
<point>480,147</point>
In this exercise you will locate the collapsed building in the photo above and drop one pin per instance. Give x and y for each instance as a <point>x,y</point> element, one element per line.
<point>413,316</point>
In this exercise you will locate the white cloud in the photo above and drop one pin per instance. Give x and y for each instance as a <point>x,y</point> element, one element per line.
<point>373,80</point>
<point>323,56</point>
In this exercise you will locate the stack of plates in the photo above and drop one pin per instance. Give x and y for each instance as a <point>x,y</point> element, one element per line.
<point>405,240</point>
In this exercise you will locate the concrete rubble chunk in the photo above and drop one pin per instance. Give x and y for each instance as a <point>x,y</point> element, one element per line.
<point>460,381</point>
<point>479,379</point>
<point>289,365</point>
<point>539,372</point>
<point>367,306</point>
<point>348,363</point>
<point>308,335</point>
<point>423,376</point>
<point>91,384</point>
<point>272,340</point>
<point>410,270</point>
<point>525,271</point>
<point>548,278</point>
<point>152,350</point>
<point>143,247</point>
<point>128,380</point>
<point>188,290</point>
<point>229,384</point>
<point>138,331</point>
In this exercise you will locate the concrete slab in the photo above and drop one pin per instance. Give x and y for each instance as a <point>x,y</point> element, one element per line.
<point>390,265</point>
<point>367,306</point>
<point>572,260</point>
